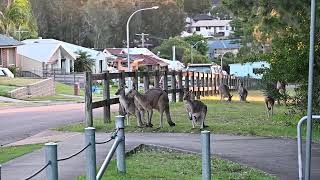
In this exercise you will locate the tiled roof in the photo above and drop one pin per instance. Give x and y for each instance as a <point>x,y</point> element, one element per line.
<point>114,51</point>
<point>149,60</point>
<point>223,44</point>
<point>211,23</point>
<point>200,17</point>
<point>8,41</point>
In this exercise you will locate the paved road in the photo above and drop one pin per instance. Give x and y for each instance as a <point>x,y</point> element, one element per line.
<point>20,123</point>
<point>275,156</point>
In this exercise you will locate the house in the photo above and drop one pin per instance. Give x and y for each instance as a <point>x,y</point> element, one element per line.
<point>219,47</point>
<point>138,57</point>
<point>40,56</point>
<point>8,51</point>
<point>251,69</point>
<point>215,27</point>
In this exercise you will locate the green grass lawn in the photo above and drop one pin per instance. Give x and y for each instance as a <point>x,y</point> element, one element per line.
<point>4,90</point>
<point>222,118</point>
<point>163,165</point>
<point>20,82</point>
<point>8,153</point>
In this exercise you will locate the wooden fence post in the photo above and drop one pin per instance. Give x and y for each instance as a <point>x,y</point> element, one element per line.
<point>106,97</point>
<point>173,86</point>
<point>156,79</point>
<point>198,86</point>
<point>192,85</point>
<point>203,83</point>
<point>214,84</point>
<point>180,86</point>
<point>88,99</point>
<point>121,84</point>
<point>211,84</point>
<point>146,81</point>
<point>136,79</point>
<point>165,80</point>
<point>186,83</point>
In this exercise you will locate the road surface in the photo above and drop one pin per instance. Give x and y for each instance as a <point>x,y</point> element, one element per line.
<point>20,123</point>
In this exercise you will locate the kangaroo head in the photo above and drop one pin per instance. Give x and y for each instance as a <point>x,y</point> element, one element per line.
<point>121,91</point>
<point>187,95</point>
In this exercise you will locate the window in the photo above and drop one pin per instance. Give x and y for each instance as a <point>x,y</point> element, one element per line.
<point>220,27</point>
<point>227,27</point>
<point>197,28</point>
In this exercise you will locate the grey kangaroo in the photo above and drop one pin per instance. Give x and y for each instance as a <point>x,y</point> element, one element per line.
<point>129,106</point>
<point>153,99</point>
<point>224,92</point>
<point>196,110</point>
<point>269,101</point>
<point>243,93</point>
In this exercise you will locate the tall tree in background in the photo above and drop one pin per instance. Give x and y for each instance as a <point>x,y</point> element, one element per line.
<point>278,32</point>
<point>16,16</point>
<point>102,23</point>
<point>193,7</point>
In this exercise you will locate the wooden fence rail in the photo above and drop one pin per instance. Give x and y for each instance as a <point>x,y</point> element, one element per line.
<point>202,84</point>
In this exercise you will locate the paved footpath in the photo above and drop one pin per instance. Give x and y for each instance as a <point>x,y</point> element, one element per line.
<point>273,155</point>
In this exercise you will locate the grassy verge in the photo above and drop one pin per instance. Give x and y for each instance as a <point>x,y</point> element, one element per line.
<point>12,152</point>
<point>4,90</point>
<point>222,118</point>
<point>164,165</point>
<point>20,82</point>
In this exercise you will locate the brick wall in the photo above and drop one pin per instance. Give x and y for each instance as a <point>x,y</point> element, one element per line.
<point>43,88</point>
<point>4,57</point>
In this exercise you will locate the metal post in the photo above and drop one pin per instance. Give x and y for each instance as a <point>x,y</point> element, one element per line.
<point>206,162</point>
<point>90,138</point>
<point>51,156</point>
<point>121,147</point>
<point>310,88</point>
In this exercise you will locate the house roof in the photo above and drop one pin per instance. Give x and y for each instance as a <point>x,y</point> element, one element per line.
<point>223,44</point>
<point>214,22</point>
<point>114,51</point>
<point>68,46</point>
<point>42,52</point>
<point>200,17</point>
<point>149,60</point>
<point>8,41</point>
<point>133,51</point>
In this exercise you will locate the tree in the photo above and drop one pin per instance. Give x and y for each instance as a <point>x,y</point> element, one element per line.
<point>182,51</point>
<point>279,34</point>
<point>16,16</point>
<point>193,7</point>
<point>202,46</point>
<point>83,63</point>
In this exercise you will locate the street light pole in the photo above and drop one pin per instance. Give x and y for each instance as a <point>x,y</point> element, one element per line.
<point>192,46</point>
<point>128,39</point>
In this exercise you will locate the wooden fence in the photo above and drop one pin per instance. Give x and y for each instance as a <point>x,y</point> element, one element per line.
<point>202,84</point>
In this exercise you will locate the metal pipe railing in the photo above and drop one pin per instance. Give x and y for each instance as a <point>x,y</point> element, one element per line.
<point>299,143</point>
<point>117,145</point>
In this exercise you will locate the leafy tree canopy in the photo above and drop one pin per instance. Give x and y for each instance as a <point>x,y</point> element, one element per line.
<point>183,53</point>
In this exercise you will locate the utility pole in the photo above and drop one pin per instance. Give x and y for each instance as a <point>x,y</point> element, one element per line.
<point>142,38</point>
<point>20,31</point>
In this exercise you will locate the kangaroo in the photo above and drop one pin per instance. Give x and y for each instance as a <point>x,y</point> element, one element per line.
<point>224,92</point>
<point>153,99</point>
<point>281,87</point>
<point>128,106</point>
<point>243,93</point>
<point>269,101</point>
<point>196,110</point>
